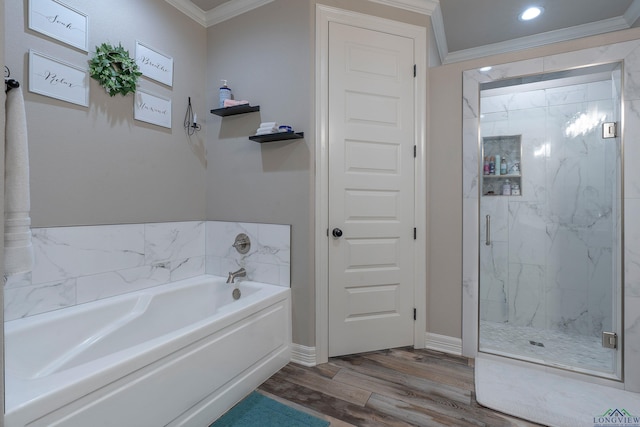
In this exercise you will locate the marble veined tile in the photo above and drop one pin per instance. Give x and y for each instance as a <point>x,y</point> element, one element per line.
<point>528,239</point>
<point>632,342</point>
<point>632,249</point>
<point>547,398</point>
<point>66,252</point>
<point>274,244</point>
<point>174,241</point>
<point>186,268</point>
<point>35,299</point>
<point>269,254</point>
<point>526,295</point>
<point>632,151</point>
<point>558,347</point>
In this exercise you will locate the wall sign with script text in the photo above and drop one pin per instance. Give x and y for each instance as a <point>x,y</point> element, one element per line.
<point>59,21</point>
<point>57,79</point>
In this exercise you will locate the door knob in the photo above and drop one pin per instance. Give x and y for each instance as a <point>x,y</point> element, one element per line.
<point>336,232</point>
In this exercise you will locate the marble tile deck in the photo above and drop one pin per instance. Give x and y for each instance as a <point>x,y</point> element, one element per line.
<point>560,349</point>
<point>543,397</point>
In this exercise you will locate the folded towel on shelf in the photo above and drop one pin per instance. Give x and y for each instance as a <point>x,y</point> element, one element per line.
<point>233,103</point>
<point>266,131</point>
<point>268,125</point>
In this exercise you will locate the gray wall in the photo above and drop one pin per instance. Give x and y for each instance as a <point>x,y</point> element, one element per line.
<point>268,56</point>
<point>98,165</point>
<point>445,176</point>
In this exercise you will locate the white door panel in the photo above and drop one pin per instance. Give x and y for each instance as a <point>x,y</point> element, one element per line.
<point>371,189</point>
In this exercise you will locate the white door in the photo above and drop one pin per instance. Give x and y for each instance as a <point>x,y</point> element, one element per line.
<point>371,190</point>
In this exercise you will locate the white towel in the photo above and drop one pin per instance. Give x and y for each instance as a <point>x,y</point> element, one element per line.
<point>233,103</point>
<point>268,125</point>
<point>18,250</point>
<point>266,131</point>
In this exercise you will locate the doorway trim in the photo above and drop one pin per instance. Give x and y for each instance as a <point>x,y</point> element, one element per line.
<point>324,15</point>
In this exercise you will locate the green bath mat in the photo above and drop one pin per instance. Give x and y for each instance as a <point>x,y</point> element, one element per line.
<point>258,410</point>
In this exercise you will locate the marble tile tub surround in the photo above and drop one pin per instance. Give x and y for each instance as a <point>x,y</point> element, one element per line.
<point>267,261</point>
<point>629,53</point>
<point>74,265</point>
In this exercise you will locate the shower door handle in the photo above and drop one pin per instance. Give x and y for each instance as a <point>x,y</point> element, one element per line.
<point>488,230</point>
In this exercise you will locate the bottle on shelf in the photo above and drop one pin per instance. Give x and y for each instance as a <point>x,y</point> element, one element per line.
<point>503,166</point>
<point>492,165</point>
<point>506,188</point>
<point>497,164</point>
<point>486,165</point>
<point>225,93</point>
<point>515,189</point>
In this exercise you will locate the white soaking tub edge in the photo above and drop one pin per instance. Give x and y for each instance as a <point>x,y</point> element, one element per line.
<point>162,356</point>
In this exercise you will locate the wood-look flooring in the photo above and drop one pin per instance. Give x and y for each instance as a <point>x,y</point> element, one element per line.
<point>397,387</point>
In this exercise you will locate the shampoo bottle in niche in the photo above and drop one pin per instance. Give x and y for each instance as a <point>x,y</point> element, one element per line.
<point>506,188</point>
<point>503,166</point>
<point>497,164</point>
<point>225,93</point>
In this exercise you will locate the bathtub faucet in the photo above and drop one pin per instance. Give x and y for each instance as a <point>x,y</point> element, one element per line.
<point>240,273</point>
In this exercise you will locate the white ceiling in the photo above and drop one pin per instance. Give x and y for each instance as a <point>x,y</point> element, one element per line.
<point>467,29</point>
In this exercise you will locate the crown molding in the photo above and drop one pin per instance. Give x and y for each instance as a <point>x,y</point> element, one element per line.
<point>437,24</point>
<point>218,14</point>
<point>190,9</point>
<point>632,13</point>
<point>232,9</point>
<point>556,36</point>
<point>425,7</point>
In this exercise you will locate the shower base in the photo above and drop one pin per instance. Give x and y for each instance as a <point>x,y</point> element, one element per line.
<point>549,347</point>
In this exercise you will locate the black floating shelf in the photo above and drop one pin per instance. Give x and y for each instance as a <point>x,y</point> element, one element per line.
<point>236,109</point>
<point>277,136</point>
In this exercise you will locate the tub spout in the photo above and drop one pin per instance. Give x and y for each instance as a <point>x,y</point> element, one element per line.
<point>232,275</point>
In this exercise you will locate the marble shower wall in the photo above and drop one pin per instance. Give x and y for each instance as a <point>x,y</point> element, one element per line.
<point>629,54</point>
<point>550,263</point>
<point>74,265</point>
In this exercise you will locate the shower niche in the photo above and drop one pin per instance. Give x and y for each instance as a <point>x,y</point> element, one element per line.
<point>502,168</point>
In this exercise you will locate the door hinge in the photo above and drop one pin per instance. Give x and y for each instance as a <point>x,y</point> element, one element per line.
<point>415,151</point>
<point>415,233</point>
<point>327,232</point>
<point>415,70</point>
<point>610,340</point>
<point>415,314</point>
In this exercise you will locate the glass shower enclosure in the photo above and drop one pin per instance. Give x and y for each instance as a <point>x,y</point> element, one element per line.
<point>550,219</point>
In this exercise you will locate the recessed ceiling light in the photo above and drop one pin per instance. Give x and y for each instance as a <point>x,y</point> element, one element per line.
<point>531,13</point>
<point>485,69</point>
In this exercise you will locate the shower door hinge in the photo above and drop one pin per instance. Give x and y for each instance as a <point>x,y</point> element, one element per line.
<point>609,130</point>
<point>610,340</point>
<point>415,233</point>
<point>415,70</point>
<point>415,314</point>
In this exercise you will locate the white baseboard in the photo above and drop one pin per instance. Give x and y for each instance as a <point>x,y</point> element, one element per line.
<point>443,343</point>
<point>306,356</point>
<point>303,355</point>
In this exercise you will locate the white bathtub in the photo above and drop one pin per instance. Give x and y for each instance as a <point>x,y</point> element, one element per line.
<point>180,354</point>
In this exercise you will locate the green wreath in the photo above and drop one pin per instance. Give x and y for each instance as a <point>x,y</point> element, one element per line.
<point>114,69</point>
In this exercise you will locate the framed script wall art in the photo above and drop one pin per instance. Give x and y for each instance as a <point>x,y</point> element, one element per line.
<point>59,21</point>
<point>57,79</point>
<point>152,109</point>
<point>154,65</point>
